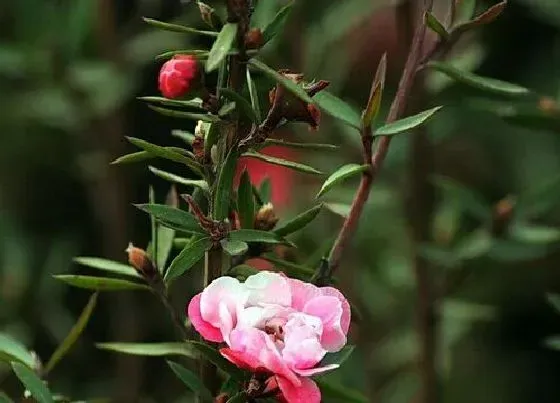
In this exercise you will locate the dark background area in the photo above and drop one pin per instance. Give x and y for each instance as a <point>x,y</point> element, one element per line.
<point>69,74</point>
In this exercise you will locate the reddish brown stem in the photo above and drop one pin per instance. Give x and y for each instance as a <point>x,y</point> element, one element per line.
<point>375,162</point>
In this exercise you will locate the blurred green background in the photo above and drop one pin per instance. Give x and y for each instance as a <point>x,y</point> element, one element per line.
<point>69,74</point>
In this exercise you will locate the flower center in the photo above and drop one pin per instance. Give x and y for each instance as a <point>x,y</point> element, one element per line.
<point>275,328</point>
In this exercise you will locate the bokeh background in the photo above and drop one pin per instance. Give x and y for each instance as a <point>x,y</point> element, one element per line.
<point>70,71</point>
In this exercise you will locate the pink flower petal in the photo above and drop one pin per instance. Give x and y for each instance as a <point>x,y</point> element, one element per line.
<point>267,287</point>
<point>302,292</point>
<point>206,330</point>
<point>346,311</point>
<point>315,371</point>
<point>237,358</point>
<point>306,392</point>
<point>329,310</point>
<point>302,346</point>
<point>226,291</point>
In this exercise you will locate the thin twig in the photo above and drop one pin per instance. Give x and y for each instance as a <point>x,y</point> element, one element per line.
<point>376,161</point>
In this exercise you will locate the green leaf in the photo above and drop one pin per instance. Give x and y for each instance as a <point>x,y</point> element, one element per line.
<point>535,234</point>
<point>470,200</point>
<point>191,380</point>
<point>374,101</point>
<point>253,235</point>
<point>464,11</point>
<point>339,357</point>
<point>539,198</point>
<point>165,236</point>
<point>212,355</point>
<point>214,134</point>
<point>173,217</point>
<point>265,190</point>
<point>205,117</point>
<point>338,109</point>
<point>435,25</point>
<point>32,383</point>
<point>241,103</point>
<point>13,350</point>
<point>222,196</point>
<point>151,349</point>
<point>485,18</point>
<point>165,153</point>
<point>285,82</point>
<point>474,245</point>
<point>177,28</point>
<point>99,283</point>
<point>186,136</point>
<point>277,24</point>
<point>303,146</point>
<point>296,166</point>
<point>192,103</point>
<point>202,184</point>
<point>234,248</point>
<point>4,398</point>
<point>254,95</point>
<point>298,222</point>
<point>241,397</point>
<point>108,266</point>
<point>489,85</point>
<point>73,335</point>
<point>554,301</point>
<point>553,342</point>
<point>341,174</point>
<point>141,156</point>
<point>408,123</point>
<point>221,46</point>
<point>191,254</point>
<point>245,201</point>
<point>292,269</point>
<point>340,393</point>
<point>340,209</point>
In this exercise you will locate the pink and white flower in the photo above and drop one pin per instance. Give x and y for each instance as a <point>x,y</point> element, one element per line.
<point>274,324</point>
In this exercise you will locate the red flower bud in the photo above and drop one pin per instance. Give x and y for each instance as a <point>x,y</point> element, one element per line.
<point>176,76</point>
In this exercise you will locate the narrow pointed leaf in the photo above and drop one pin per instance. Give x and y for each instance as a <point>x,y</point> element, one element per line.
<point>191,254</point>
<point>191,380</point>
<point>202,184</point>
<point>535,234</point>
<point>99,283</point>
<point>221,46</point>
<point>141,156</point>
<point>165,235</point>
<point>254,95</point>
<point>187,137</point>
<point>554,301</point>
<point>196,53</point>
<point>162,152</point>
<point>212,355</point>
<point>192,103</point>
<point>153,245</point>
<point>341,174</point>
<point>285,82</point>
<point>245,201</point>
<point>339,357</point>
<point>214,134</point>
<point>108,266</point>
<point>12,350</point>
<point>337,108</point>
<point>151,349</point>
<point>222,198</point>
<point>486,84</point>
<point>374,100</point>
<point>292,269</point>
<point>553,342</point>
<point>173,113</point>
<point>303,146</point>
<point>464,10</point>
<point>173,217</point>
<point>241,103</point>
<point>32,383</point>
<point>265,190</point>
<point>253,235</point>
<point>177,28</point>
<point>299,222</point>
<point>435,25</point>
<point>234,248</point>
<point>296,166</point>
<point>341,209</point>
<point>407,123</point>
<point>485,18</point>
<point>277,24</point>
<point>73,335</point>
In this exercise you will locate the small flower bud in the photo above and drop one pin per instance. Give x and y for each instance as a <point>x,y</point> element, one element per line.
<point>266,218</point>
<point>138,258</point>
<point>221,398</point>
<point>177,75</point>
<point>254,39</point>
<point>503,212</point>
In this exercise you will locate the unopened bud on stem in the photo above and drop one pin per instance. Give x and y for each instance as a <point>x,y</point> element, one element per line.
<point>139,259</point>
<point>266,218</point>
